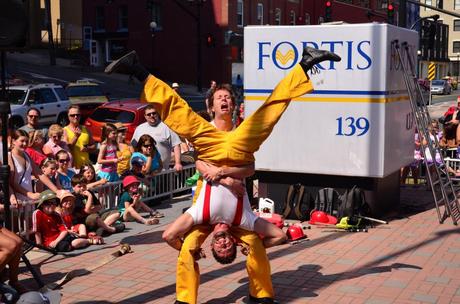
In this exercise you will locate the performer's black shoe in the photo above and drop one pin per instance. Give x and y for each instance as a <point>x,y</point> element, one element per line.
<point>312,56</point>
<point>128,64</point>
<point>180,302</point>
<point>254,300</point>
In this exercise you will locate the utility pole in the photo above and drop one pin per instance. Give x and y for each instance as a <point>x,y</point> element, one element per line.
<point>402,21</point>
<point>49,29</point>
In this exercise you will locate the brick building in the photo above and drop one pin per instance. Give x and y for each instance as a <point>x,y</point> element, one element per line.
<point>165,32</point>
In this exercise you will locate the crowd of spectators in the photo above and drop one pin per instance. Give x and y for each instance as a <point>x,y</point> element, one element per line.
<point>446,133</point>
<point>51,169</point>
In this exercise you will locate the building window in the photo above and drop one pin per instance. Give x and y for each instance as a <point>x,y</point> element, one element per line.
<point>457,25</point>
<point>157,16</point>
<point>457,4</point>
<point>100,18</point>
<point>307,18</point>
<point>428,2</point>
<point>239,13</point>
<point>382,4</point>
<point>292,18</point>
<point>277,16</point>
<point>260,13</point>
<point>456,47</point>
<point>123,18</point>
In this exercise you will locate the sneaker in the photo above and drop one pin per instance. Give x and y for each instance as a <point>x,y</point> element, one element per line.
<point>124,64</point>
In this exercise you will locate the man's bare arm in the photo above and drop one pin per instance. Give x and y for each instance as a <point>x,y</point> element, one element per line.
<point>214,173</point>
<point>173,234</point>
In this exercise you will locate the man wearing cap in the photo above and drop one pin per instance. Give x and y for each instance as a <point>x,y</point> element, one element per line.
<point>224,146</point>
<point>175,87</point>
<point>167,140</point>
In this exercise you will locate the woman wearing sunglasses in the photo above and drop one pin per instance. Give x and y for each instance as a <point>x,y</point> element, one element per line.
<point>79,139</point>
<point>146,150</point>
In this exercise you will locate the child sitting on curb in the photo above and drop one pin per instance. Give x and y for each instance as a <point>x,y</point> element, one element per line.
<point>49,228</point>
<point>65,210</point>
<point>130,203</point>
<point>89,211</point>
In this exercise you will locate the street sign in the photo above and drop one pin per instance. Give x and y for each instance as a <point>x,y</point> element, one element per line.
<point>431,70</point>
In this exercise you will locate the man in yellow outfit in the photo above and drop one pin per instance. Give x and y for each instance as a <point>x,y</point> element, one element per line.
<point>223,146</point>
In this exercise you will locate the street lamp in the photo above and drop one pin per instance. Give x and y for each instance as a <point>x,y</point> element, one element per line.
<point>434,17</point>
<point>419,55</point>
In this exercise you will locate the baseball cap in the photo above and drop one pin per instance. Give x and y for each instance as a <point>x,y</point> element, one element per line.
<point>175,85</point>
<point>137,161</point>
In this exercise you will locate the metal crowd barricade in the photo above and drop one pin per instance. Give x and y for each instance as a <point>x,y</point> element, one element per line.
<point>165,184</point>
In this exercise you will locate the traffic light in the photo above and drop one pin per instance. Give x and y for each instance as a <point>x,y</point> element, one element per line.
<point>328,12</point>
<point>210,40</point>
<point>390,13</point>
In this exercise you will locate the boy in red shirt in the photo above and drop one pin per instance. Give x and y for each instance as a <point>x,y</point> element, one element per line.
<point>49,228</point>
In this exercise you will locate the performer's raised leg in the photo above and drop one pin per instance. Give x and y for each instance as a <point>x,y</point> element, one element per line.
<point>257,127</point>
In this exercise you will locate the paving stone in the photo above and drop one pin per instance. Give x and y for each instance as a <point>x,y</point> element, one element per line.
<point>449,264</point>
<point>115,271</point>
<point>124,283</point>
<point>326,251</point>
<point>424,298</point>
<point>345,261</point>
<point>350,289</point>
<point>395,283</point>
<point>453,250</point>
<point>378,301</point>
<point>440,280</point>
<point>75,288</point>
<point>423,253</point>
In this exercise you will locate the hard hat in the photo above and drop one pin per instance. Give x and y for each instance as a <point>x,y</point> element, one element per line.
<point>321,217</point>
<point>295,232</point>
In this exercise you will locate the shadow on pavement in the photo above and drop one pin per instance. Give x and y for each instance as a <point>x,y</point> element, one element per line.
<point>371,267</point>
<point>300,278</point>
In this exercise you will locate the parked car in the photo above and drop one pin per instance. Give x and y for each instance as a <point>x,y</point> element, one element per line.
<point>87,95</point>
<point>129,112</point>
<point>49,98</point>
<point>440,86</point>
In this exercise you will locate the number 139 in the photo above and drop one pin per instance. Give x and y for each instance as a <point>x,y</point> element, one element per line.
<point>352,126</point>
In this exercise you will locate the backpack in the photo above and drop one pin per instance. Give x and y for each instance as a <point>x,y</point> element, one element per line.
<point>353,203</point>
<point>327,200</point>
<point>297,204</point>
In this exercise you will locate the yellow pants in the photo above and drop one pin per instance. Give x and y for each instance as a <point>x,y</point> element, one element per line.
<point>234,148</point>
<point>188,272</point>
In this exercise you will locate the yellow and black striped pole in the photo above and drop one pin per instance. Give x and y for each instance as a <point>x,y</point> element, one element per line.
<point>431,76</point>
<point>431,71</point>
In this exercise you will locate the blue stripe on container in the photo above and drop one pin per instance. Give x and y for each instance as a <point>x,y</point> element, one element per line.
<point>332,92</point>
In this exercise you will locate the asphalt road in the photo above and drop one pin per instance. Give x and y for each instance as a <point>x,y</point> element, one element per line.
<point>116,86</point>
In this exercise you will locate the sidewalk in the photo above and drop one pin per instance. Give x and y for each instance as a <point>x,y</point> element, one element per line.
<point>414,259</point>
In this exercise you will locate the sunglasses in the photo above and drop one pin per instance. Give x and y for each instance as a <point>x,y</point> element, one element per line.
<point>147,146</point>
<point>74,115</point>
<point>151,114</point>
<point>33,116</point>
<point>56,136</point>
<point>63,161</point>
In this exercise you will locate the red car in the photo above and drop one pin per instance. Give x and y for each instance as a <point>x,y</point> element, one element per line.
<point>129,112</point>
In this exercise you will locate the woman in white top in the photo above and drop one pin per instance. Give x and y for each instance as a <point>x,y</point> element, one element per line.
<point>22,168</point>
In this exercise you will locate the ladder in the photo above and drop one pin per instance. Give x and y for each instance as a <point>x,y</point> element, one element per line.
<point>444,194</point>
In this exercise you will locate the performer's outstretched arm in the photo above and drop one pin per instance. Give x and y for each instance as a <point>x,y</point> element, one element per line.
<point>173,234</point>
